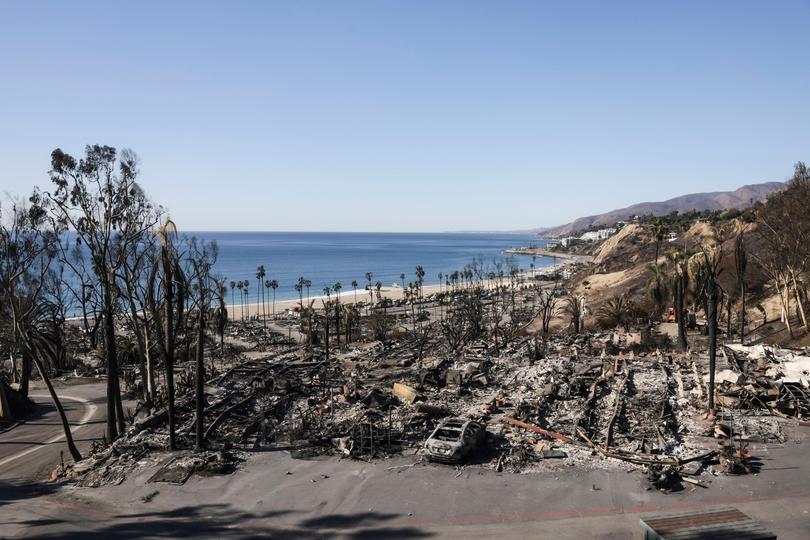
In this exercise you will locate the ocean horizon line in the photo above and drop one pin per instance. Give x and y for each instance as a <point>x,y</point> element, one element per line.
<point>257,231</point>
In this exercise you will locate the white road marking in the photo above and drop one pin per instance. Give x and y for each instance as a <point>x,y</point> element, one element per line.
<point>91,409</point>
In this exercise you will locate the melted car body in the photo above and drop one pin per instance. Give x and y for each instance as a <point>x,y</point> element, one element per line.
<point>453,440</point>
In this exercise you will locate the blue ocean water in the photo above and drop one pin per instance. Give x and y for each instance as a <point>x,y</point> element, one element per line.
<point>326,258</point>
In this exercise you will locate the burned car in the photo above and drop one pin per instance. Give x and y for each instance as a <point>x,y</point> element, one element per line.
<point>454,439</point>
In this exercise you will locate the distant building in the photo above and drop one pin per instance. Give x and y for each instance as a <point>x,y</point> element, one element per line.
<point>569,241</point>
<point>596,236</point>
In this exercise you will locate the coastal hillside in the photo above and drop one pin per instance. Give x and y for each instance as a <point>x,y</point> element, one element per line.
<point>719,200</point>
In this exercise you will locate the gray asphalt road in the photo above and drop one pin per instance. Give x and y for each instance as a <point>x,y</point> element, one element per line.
<point>278,497</point>
<point>31,450</point>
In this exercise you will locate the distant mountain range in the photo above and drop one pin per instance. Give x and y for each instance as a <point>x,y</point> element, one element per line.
<point>718,200</point>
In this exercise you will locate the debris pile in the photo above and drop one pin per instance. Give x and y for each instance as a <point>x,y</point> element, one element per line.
<point>765,378</point>
<point>580,405</point>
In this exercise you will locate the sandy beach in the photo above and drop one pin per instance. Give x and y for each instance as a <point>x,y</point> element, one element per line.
<point>347,295</point>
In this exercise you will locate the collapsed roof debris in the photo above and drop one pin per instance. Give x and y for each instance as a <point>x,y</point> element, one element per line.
<point>579,406</point>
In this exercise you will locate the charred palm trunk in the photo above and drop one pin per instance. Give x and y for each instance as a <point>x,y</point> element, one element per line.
<point>326,331</point>
<point>168,330</point>
<point>337,325</point>
<point>679,305</point>
<point>711,295</point>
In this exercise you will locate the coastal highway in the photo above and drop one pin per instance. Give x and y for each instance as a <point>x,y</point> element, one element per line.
<point>30,450</point>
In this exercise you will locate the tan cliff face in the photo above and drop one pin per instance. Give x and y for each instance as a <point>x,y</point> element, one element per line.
<point>622,265</point>
<point>612,244</point>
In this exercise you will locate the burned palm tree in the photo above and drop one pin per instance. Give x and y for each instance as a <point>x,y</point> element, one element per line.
<point>167,287</point>
<point>220,318</point>
<point>657,288</point>
<point>573,308</point>
<point>659,231</point>
<point>274,285</point>
<point>260,274</point>
<point>704,270</point>
<point>369,275</point>
<point>617,311</point>
<point>202,257</point>
<point>680,281</point>
<point>241,285</point>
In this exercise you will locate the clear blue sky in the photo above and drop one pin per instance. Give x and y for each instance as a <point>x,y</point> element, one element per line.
<point>408,115</point>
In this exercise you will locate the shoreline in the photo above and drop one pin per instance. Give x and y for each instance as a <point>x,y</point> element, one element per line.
<point>393,293</point>
<point>540,252</point>
<point>390,292</point>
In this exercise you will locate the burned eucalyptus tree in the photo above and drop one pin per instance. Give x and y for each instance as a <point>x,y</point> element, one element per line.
<point>136,269</point>
<point>784,225</point>
<point>81,285</point>
<point>27,249</point>
<point>97,200</point>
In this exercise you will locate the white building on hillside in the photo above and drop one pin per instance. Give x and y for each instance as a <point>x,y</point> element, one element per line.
<point>596,236</point>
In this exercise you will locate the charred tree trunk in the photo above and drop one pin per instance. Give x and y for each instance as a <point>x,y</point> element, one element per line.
<point>784,296</point>
<point>200,439</point>
<point>679,306</point>
<point>337,326</point>
<point>326,331</point>
<point>168,329</point>
<point>25,376</point>
<point>799,299</point>
<point>741,322</point>
<point>74,452</point>
<point>115,412</point>
<point>712,322</point>
<point>150,368</point>
<point>728,318</point>
<point>94,331</point>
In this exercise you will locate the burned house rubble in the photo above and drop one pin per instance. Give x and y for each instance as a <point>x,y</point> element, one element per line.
<point>589,400</point>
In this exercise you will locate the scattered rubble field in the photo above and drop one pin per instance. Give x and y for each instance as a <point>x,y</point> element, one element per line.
<point>577,407</point>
